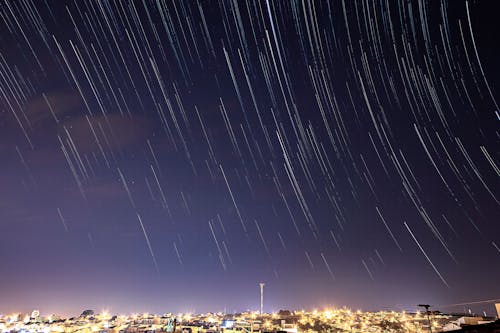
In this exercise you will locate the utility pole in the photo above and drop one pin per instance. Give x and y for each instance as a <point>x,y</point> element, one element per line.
<point>262,284</point>
<point>427,306</point>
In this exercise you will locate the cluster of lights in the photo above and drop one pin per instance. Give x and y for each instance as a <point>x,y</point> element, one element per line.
<point>299,321</point>
<point>358,321</point>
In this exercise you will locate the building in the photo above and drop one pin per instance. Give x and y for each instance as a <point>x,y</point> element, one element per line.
<point>492,327</point>
<point>464,324</point>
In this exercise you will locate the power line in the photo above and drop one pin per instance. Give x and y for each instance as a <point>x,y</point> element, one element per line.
<point>469,303</point>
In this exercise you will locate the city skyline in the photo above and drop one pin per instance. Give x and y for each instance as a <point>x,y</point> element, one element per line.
<point>172,155</point>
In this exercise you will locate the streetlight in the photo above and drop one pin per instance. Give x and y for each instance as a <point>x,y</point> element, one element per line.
<point>427,306</point>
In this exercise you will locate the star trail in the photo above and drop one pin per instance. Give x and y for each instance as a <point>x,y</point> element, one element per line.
<point>173,154</point>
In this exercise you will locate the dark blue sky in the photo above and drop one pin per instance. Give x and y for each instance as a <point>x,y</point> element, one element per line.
<point>168,156</point>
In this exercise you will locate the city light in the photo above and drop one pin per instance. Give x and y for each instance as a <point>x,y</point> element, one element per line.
<point>327,320</point>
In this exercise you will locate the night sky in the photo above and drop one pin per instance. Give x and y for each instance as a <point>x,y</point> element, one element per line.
<point>170,155</point>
